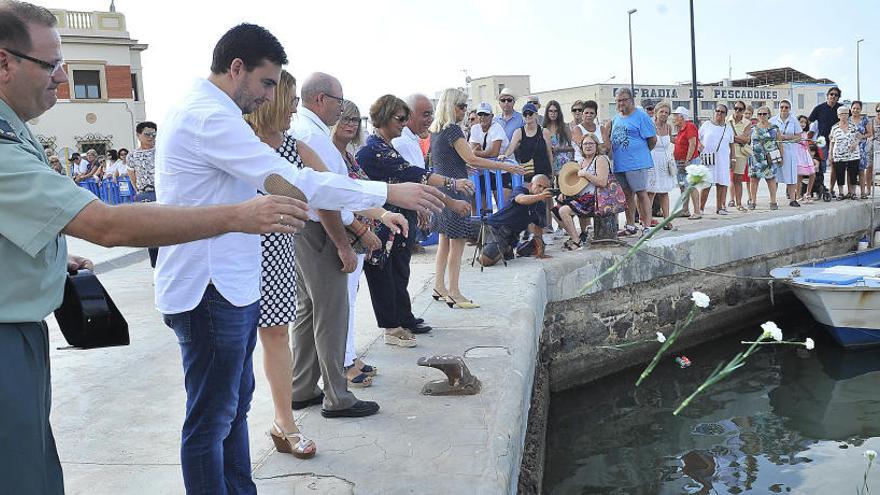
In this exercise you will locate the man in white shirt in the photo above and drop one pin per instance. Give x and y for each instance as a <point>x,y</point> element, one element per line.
<point>488,140</point>
<point>319,332</point>
<point>208,290</point>
<point>420,118</point>
<point>79,168</point>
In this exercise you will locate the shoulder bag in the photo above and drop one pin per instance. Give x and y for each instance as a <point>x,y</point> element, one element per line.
<point>774,156</point>
<point>709,159</point>
<point>610,199</point>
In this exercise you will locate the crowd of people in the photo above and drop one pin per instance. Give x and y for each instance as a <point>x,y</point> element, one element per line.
<point>214,180</point>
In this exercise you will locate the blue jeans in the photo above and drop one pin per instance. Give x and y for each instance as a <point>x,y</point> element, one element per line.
<point>216,343</point>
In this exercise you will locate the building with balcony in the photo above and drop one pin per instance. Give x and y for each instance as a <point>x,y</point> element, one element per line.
<point>104,99</point>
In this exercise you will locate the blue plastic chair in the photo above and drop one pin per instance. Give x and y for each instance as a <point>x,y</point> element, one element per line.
<point>91,185</point>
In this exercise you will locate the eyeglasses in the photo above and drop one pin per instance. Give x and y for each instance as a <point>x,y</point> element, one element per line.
<point>506,100</point>
<point>528,114</point>
<point>763,114</point>
<point>350,121</point>
<point>337,98</point>
<point>576,110</point>
<point>739,109</point>
<point>401,118</point>
<point>461,106</point>
<point>718,110</point>
<point>50,67</point>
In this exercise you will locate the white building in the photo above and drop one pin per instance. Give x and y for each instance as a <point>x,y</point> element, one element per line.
<point>767,87</point>
<point>104,98</point>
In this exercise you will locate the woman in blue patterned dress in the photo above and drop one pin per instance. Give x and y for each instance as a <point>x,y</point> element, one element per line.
<point>860,121</point>
<point>767,157</point>
<point>451,156</point>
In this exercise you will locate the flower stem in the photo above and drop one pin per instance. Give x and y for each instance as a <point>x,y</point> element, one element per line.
<point>669,341</point>
<point>632,251</point>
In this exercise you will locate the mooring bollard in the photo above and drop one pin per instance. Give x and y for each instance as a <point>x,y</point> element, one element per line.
<point>459,380</point>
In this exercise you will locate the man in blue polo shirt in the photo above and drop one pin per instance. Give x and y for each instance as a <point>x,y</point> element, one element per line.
<point>632,136</point>
<point>510,119</point>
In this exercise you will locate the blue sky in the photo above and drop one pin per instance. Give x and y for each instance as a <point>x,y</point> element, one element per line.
<point>396,46</point>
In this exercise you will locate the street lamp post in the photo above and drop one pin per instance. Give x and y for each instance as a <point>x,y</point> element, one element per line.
<point>858,82</point>
<point>632,85</point>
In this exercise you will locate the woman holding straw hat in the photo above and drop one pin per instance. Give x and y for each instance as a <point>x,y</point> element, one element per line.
<point>578,186</point>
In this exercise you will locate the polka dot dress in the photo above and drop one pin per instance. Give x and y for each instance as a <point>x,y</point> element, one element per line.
<point>278,282</point>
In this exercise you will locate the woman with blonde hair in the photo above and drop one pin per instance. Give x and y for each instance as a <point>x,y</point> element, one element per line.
<point>451,155</point>
<point>662,178</point>
<point>278,284</point>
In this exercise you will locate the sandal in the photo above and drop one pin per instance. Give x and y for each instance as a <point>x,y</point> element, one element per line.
<point>464,304</point>
<point>731,204</point>
<point>752,206</point>
<point>695,216</point>
<point>571,245</point>
<point>292,443</point>
<point>742,209</point>
<point>400,337</point>
<point>668,226</point>
<point>368,370</point>
<point>362,380</point>
<point>721,212</point>
<point>774,206</point>
<point>438,296</point>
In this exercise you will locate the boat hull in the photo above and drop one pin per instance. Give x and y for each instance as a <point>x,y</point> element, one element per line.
<point>852,317</point>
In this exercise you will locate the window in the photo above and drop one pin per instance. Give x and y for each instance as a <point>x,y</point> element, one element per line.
<point>800,102</point>
<point>87,84</point>
<point>707,105</point>
<point>135,94</point>
<point>676,104</point>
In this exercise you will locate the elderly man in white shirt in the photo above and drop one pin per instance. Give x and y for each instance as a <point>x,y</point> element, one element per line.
<point>420,118</point>
<point>320,329</point>
<point>208,290</point>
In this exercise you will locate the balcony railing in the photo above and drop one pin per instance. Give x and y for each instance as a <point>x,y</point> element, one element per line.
<point>79,20</point>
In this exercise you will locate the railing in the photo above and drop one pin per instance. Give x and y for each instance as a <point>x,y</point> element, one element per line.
<point>110,192</point>
<point>79,20</point>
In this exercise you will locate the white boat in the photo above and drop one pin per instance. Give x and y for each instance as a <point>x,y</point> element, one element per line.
<point>842,293</point>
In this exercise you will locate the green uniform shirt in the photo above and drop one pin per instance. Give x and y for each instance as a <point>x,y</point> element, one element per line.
<point>36,203</point>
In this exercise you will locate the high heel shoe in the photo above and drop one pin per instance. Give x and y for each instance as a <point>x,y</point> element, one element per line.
<point>292,443</point>
<point>465,304</point>
<point>438,296</point>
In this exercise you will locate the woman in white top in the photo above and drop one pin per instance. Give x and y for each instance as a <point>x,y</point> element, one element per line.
<point>660,180</point>
<point>716,141</point>
<point>844,153</point>
<point>114,167</point>
<point>791,130</point>
<point>589,124</point>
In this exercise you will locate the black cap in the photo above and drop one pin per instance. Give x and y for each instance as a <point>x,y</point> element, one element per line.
<point>648,104</point>
<point>74,156</point>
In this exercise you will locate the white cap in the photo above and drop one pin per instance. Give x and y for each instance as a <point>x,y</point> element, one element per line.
<point>533,98</point>
<point>506,92</point>
<point>683,112</point>
<point>485,108</point>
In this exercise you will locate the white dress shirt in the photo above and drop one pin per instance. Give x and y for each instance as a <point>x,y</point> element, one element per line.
<point>407,144</point>
<point>311,130</point>
<point>208,155</point>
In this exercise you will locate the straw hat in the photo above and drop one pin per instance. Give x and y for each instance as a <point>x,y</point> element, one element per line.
<point>569,182</point>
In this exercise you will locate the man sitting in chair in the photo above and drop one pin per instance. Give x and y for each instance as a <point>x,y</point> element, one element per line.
<point>524,211</point>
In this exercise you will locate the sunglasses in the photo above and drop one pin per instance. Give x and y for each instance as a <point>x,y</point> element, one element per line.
<point>401,118</point>
<point>720,111</point>
<point>506,100</point>
<point>528,114</point>
<point>350,121</point>
<point>151,134</point>
<point>739,109</point>
<point>764,114</point>
<point>462,106</point>
<point>576,110</point>
<point>836,95</point>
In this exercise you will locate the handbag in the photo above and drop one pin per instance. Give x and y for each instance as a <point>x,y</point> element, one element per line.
<point>87,317</point>
<point>610,199</point>
<point>708,159</point>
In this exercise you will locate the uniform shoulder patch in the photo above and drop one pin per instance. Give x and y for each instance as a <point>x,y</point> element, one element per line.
<point>7,133</point>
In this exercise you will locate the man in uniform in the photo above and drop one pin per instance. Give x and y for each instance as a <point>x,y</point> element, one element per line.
<point>38,206</point>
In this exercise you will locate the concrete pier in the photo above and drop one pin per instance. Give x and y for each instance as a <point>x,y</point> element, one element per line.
<point>118,411</point>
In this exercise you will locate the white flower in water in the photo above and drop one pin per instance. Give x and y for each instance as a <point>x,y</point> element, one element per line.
<point>772,331</point>
<point>700,299</point>
<point>699,176</point>
<point>809,344</point>
<point>871,455</point>
<point>660,337</point>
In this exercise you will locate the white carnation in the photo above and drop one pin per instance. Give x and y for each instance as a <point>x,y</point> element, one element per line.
<point>700,299</point>
<point>772,331</point>
<point>699,176</point>
<point>660,337</point>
